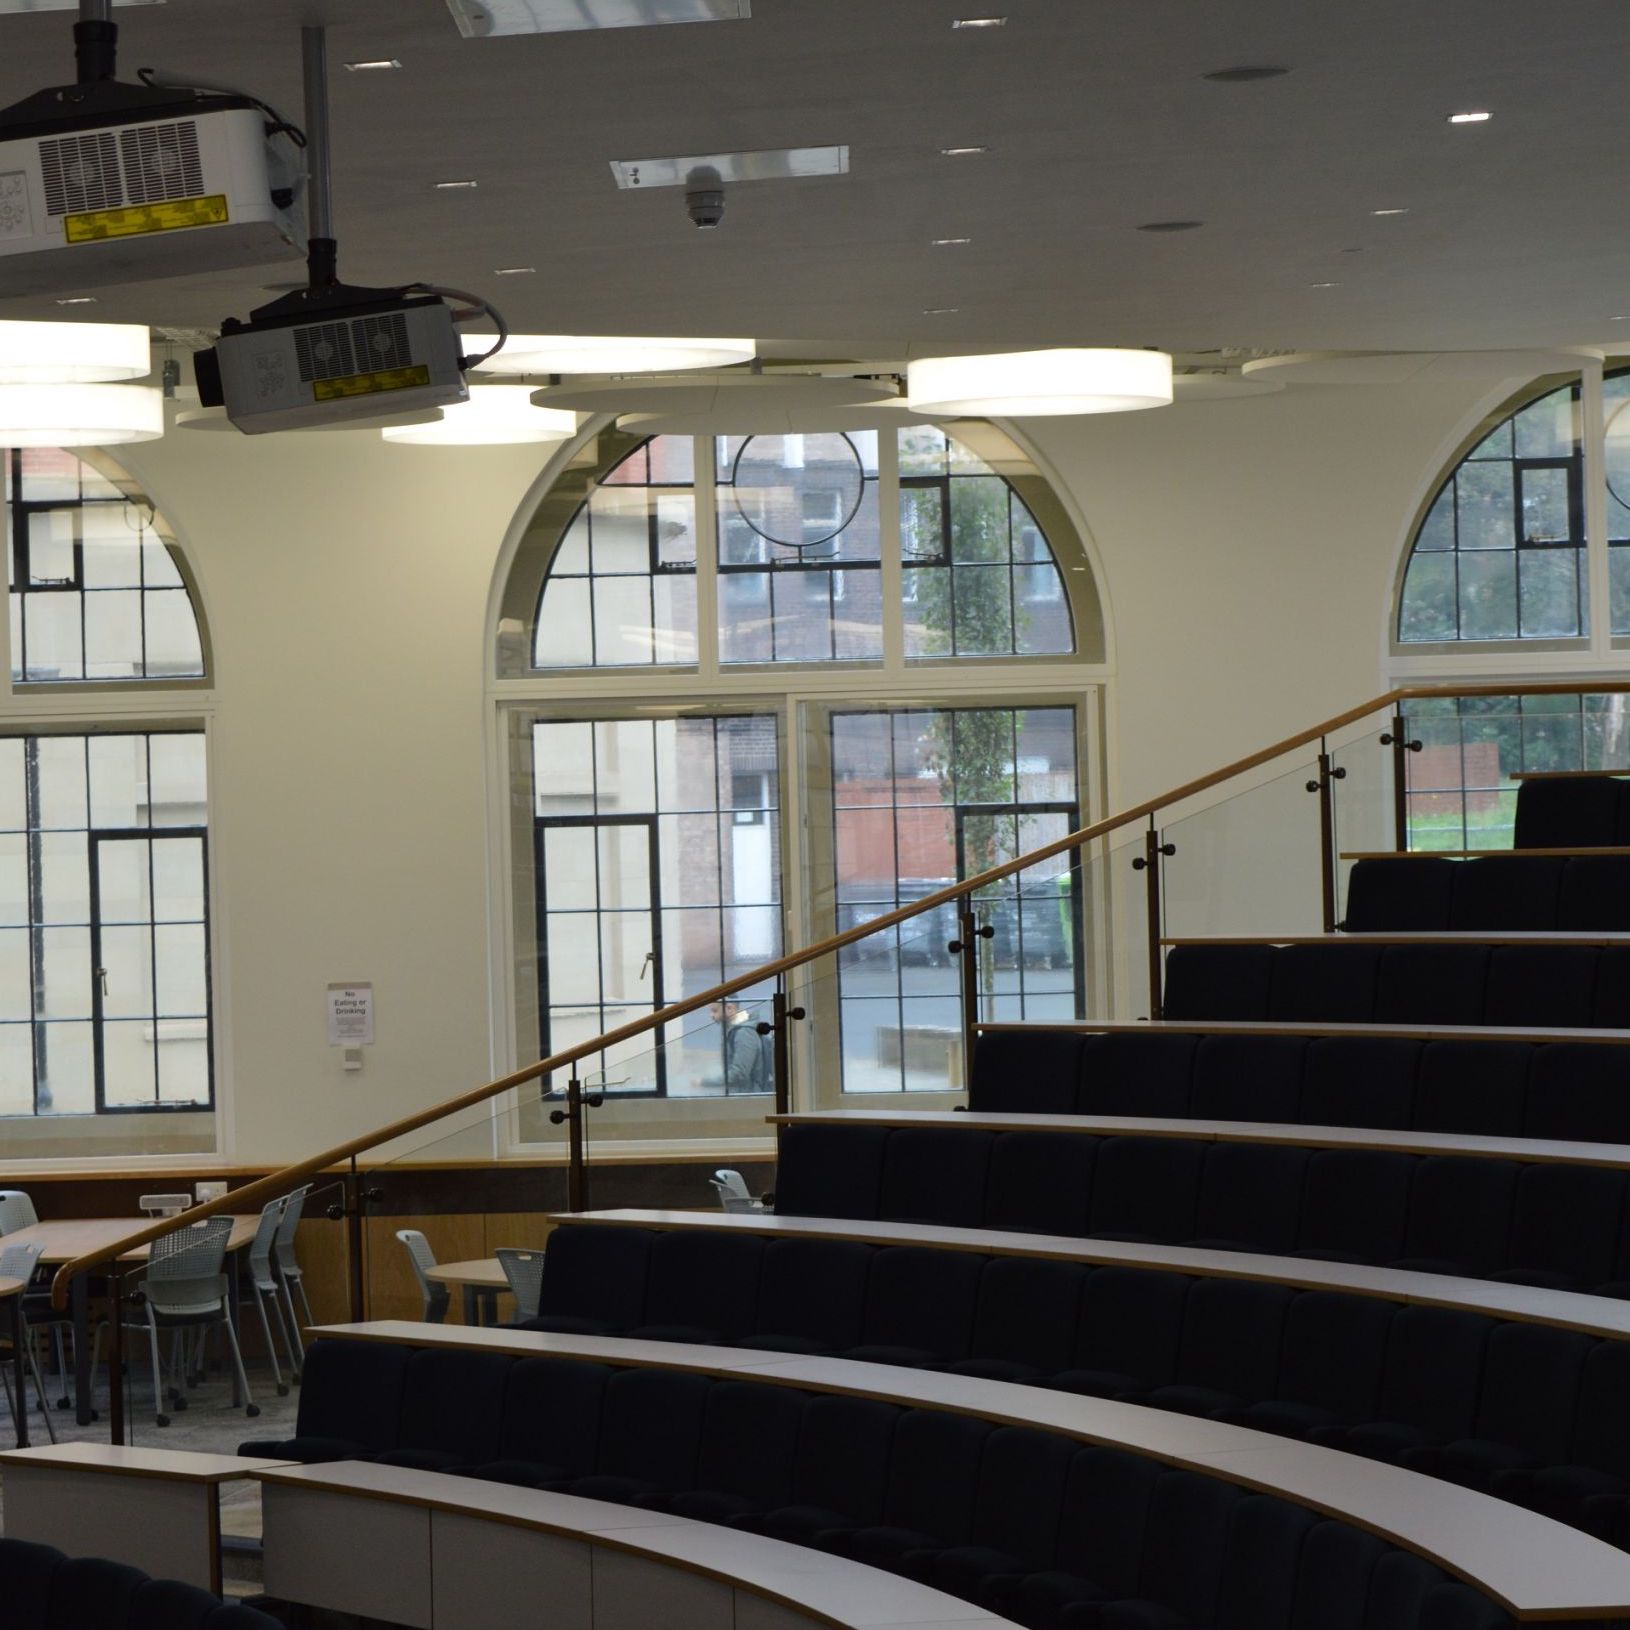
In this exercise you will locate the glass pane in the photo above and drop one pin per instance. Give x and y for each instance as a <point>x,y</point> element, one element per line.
<point>65,890</point>
<point>182,988</point>
<point>118,781</point>
<point>112,548</point>
<point>1545,428</point>
<point>67,1079</point>
<point>565,636</point>
<point>173,645</point>
<point>620,530</point>
<point>178,880</point>
<point>1488,596</point>
<point>1428,607</point>
<point>1550,592</point>
<point>922,523</point>
<point>625,777</point>
<point>16,978</point>
<point>1438,529</point>
<point>979,519</point>
<point>13,879</point>
<point>158,566</point>
<point>1484,507</point>
<point>16,1069</point>
<point>623,616</point>
<point>183,1063</point>
<point>60,762</point>
<point>1545,517</point>
<point>51,549</point>
<point>128,1064</point>
<point>123,891</point>
<point>177,794</point>
<point>1618,566</point>
<point>568,868</point>
<point>113,634</point>
<point>744,617</point>
<point>127,972</point>
<point>65,973</point>
<point>983,616</point>
<point>51,636</point>
<point>13,793</point>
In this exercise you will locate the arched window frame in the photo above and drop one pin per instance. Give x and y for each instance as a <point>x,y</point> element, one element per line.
<point>148,712</point>
<point>803,699</point>
<point>1591,651</point>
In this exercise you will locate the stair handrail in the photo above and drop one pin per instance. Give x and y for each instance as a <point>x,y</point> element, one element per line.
<point>279,1182</point>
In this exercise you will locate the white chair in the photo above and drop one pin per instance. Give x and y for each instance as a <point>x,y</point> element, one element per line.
<point>731,1187</point>
<point>524,1271</point>
<point>263,1284</point>
<point>186,1290</point>
<point>287,1265</point>
<point>16,1211</point>
<point>436,1297</point>
<point>19,1262</point>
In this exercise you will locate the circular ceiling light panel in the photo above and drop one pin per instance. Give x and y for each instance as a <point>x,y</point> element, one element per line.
<point>79,415</point>
<point>749,419</point>
<point>1400,367</point>
<point>73,353</point>
<point>747,394</point>
<point>494,416</point>
<point>606,354</point>
<point>798,491</point>
<point>1221,385</point>
<point>214,420</point>
<point>1036,383</point>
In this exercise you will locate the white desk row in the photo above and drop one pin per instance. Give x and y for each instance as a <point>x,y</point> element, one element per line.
<point>1535,1567</point>
<point>451,1553</point>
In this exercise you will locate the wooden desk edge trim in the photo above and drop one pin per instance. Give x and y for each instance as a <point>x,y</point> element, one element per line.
<point>26,1460</point>
<point>1583,850</point>
<point>630,1546</point>
<point>1214,1463</point>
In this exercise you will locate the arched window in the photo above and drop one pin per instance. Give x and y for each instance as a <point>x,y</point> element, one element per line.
<point>97,587</point>
<point>105,1004</point>
<point>759,688</point>
<point>1500,554</point>
<point>830,547</point>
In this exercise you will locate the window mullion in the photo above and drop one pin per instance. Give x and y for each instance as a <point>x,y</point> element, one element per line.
<point>1593,447</point>
<point>889,551</point>
<point>704,461</point>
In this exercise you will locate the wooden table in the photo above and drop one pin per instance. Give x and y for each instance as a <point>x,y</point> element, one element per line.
<point>469,1555</point>
<point>81,1236</point>
<point>481,1281</point>
<point>156,1509</point>
<point>1534,1566</point>
<point>11,1290</point>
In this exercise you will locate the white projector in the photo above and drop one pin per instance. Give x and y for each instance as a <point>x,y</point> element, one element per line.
<point>121,183</point>
<point>320,359</point>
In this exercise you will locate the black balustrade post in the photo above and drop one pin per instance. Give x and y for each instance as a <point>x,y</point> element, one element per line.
<point>1149,864</point>
<point>1329,773</point>
<point>577,1166</point>
<point>779,1026</point>
<point>966,946</point>
<point>116,1355</point>
<point>1398,739</point>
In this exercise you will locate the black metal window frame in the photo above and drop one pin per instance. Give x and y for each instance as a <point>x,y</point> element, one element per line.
<point>24,584</point>
<point>37,928</point>
<point>95,838</point>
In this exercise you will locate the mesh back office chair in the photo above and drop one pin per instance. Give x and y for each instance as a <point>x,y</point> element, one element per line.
<point>19,1262</point>
<point>187,1290</point>
<point>422,1257</point>
<point>16,1211</point>
<point>731,1187</point>
<point>524,1271</point>
<point>263,1284</point>
<point>287,1265</point>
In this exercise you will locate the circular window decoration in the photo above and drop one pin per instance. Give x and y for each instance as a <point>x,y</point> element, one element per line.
<point>798,491</point>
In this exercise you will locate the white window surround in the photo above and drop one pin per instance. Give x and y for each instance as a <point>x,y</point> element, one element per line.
<point>1600,654</point>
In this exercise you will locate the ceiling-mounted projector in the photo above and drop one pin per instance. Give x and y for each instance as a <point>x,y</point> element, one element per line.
<point>103,182</point>
<point>332,353</point>
<point>326,355</point>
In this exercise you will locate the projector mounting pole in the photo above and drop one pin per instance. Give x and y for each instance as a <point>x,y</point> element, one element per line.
<point>322,252</point>
<point>95,37</point>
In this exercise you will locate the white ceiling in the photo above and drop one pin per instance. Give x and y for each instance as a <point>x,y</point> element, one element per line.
<point>1097,119</point>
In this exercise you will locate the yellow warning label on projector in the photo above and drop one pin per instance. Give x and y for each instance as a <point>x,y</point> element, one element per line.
<point>170,216</point>
<point>388,379</point>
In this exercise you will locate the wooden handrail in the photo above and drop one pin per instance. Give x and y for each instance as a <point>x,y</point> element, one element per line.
<point>280,1182</point>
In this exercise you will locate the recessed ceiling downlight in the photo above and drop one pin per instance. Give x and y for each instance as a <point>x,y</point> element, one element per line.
<point>72,353</point>
<point>608,354</point>
<point>494,416</point>
<point>79,415</point>
<point>1024,383</point>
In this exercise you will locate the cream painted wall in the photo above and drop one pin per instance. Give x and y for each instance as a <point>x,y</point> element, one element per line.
<point>1247,549</point>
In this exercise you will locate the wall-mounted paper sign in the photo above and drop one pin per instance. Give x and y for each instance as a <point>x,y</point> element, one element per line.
<point>350,1015</point>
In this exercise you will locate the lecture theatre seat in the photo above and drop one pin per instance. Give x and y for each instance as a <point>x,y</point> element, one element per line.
<point>41,1589</point>
<point>1572,1091</point>
<point>1516,986</point>
<point>1530,1410</point>
<point>1024,1522</point>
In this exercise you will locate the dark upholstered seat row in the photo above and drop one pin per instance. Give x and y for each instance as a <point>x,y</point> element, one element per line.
<point>1354,982</point>
<point>1571,1090</point>
<point>1562,1226</point>
<point>1502,893</point>
<point>1573,812</point>
<point>1030,1524</point>
<point>41,1589</point>
<point>1537,1414</point>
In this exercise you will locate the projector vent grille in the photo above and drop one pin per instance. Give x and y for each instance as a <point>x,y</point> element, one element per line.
<point>161,161</point>
<point>362,345</point>
<point>81,173</point>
